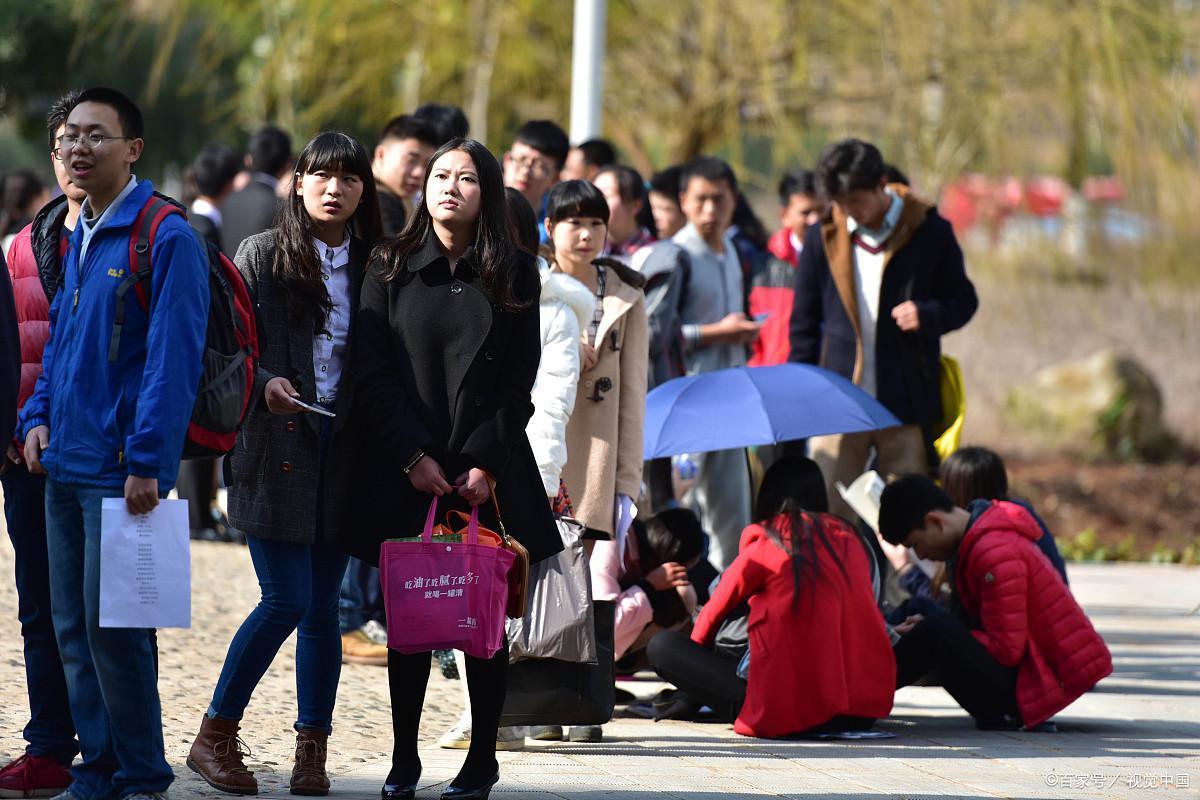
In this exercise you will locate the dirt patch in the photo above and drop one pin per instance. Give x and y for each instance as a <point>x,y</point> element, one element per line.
<point>1158,504</point>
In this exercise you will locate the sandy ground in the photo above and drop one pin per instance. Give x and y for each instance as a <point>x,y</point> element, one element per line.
<point>224,591</point>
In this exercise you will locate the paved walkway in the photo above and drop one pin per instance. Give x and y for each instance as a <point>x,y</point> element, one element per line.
<point>1136,736</point>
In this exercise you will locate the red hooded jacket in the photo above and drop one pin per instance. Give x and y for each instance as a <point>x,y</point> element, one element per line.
<point>810,661</point>
<point>1028,617</point>
<point>772,288</point>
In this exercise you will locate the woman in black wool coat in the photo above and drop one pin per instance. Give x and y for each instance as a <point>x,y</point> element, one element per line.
<point>449,343</point>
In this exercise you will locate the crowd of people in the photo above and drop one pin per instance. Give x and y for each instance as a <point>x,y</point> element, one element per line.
<point>436,322</point>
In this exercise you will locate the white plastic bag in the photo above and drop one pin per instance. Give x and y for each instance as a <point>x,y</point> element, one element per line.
<point>559,621</point>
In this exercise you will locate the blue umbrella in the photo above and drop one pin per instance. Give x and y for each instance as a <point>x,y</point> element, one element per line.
<point>747,406</point>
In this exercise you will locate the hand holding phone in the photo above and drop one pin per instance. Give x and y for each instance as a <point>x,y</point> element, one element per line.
<point>315,409</point>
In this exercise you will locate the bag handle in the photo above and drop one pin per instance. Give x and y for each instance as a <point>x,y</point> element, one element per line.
<point>472,524</point>
<point>427,534</point>
<point>495,505</point>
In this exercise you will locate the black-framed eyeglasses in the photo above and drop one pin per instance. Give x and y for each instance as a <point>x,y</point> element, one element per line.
<point>69,141</point>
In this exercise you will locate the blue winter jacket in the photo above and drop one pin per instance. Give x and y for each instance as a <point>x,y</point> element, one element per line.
<point>109,420</point>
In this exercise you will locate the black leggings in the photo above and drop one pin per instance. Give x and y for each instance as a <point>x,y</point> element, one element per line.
<point>408,676</point>
<point>706,677</point>
<point>984,688</point>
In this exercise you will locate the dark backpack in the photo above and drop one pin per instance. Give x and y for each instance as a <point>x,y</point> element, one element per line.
<point>230,345</point>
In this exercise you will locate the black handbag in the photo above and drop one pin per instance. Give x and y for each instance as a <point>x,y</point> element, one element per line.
<point>546,691</point>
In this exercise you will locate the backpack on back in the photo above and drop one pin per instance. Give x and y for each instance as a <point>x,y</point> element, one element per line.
<point>230,344</point>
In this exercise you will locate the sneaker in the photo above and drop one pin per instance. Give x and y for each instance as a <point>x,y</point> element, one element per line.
<point>146,796</point>
<point>585,733</point>
<point>545,733</point>
<point>35,776</point>
<point>459,738</point>
<point>357,648</point>
<point>375,632</point>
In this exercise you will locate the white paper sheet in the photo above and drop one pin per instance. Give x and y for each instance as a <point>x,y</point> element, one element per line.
<point>145,566</point>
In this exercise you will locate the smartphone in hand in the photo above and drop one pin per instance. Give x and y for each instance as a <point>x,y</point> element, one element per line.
<point>315,409</point>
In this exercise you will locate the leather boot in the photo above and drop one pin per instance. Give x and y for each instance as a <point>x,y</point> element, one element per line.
<point>216,756</point>
<point>308,773</point>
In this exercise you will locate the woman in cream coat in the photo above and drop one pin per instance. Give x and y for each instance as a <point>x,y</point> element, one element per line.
<point>603,474</point>
<point>604,436</point>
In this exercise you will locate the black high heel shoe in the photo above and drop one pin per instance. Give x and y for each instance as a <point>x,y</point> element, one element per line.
<point>482,793</point>
<point>398,790</point>
<point>394,792</point>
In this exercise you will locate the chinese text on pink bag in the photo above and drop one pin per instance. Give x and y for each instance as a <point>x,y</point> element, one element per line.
<point>442,594</point>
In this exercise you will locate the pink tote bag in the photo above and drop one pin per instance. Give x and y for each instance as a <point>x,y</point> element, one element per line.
<point>442,594</point>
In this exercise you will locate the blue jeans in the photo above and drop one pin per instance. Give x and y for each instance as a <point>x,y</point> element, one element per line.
<point>111,680</point>
<point>50,732</point>
<point>361,598</point>
<point>299,585</point>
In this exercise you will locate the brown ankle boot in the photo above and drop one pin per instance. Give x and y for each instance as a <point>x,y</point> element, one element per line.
<point>216,756</point>
<point>308,774</point>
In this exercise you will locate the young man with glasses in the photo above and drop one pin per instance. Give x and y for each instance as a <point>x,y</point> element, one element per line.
<point>102,427</point>
<point>532,164</point>
<point>35,264</point>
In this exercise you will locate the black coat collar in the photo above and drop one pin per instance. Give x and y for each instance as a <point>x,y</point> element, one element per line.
<point>431,253</point>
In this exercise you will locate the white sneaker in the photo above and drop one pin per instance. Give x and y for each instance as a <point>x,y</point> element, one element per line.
<point>375,632</point>
<point>457,738</point>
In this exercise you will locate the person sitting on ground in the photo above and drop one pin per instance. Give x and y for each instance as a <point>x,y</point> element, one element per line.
<point>820,659</point>
<point>1017,648</point>
<point>976,473</point>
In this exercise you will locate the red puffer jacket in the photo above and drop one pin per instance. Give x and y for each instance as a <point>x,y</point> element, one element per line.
<point>33,310</point>
<point>1028,617</point>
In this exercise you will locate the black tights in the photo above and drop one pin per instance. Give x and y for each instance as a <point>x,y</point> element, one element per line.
<point>408,676</point>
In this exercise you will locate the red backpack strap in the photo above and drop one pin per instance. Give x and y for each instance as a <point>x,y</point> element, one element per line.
<point>141,244</point>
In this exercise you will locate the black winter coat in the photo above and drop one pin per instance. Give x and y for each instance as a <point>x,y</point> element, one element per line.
<point>923,264</point>
<point>444,370</point>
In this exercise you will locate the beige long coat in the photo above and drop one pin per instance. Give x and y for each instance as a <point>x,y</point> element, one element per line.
<point>604,437</point>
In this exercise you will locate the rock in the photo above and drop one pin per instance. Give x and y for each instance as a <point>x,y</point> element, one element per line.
<point>1105,405</point>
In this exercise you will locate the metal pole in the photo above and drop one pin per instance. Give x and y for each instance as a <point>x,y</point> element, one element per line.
<point>587,68</point>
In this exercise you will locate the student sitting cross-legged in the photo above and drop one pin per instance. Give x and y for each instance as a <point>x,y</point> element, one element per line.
<point>1016,648</point>
<point>819,653</point>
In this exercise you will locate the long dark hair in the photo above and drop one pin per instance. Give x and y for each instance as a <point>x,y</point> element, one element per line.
<point>493,244</point>
<point>296,265</point>
<point>523,221</point>
<point>795,488</point>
